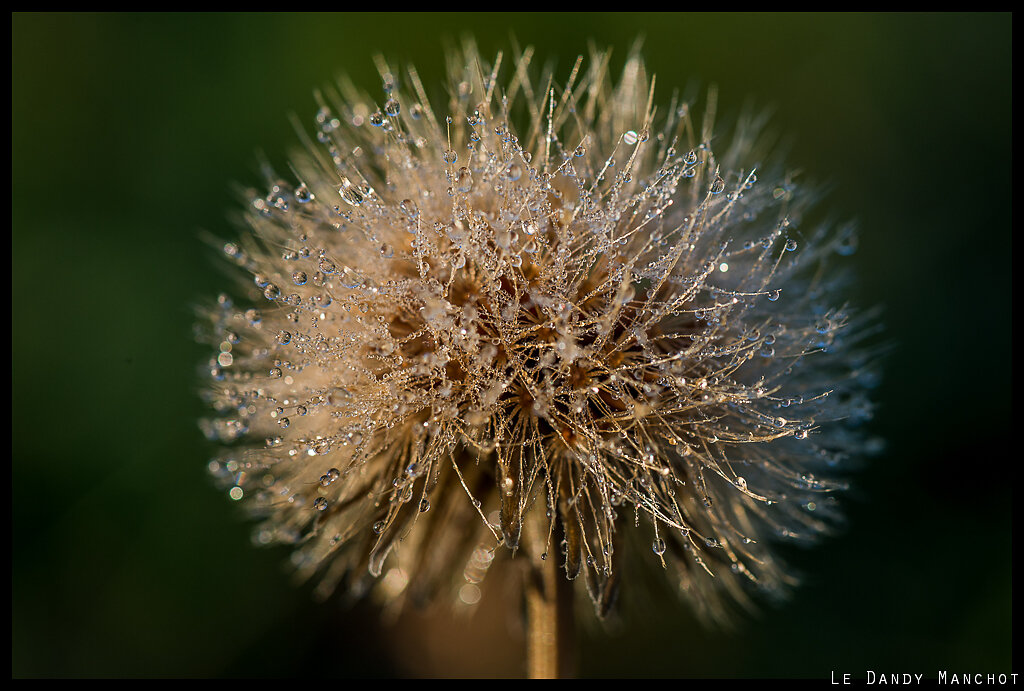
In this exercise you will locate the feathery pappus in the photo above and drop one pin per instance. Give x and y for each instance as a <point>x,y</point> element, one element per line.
<point>538,321</point>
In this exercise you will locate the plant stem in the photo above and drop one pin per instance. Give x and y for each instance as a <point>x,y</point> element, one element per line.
<point>549,644</point>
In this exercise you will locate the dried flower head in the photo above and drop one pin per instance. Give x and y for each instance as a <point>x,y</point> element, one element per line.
<point>531,323</point>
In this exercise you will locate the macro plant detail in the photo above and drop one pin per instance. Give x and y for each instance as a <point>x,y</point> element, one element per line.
<point>533,323</point>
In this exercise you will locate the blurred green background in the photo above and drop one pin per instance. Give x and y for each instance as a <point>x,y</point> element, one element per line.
<point>128,134</point>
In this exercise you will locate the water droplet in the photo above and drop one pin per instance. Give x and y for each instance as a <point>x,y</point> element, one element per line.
<point>773,295</point>
<point>350,194</point>
<point>847,243</point>
<point>424,505</point>
<point>392,107</point>
<point>717,185</point>
<point>275,373</point>
<point>464,180</point>
<point>299,278</point>
<point>658,546</point>
<point>320,504</point>
<point>629,138</point>
<point>449,156</point>
<point>378,527</point>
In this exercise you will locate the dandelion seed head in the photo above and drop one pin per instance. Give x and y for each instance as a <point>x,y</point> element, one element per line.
<point>534,321</point>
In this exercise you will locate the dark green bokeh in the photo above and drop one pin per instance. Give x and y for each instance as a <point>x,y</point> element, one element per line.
<point>128,132</point>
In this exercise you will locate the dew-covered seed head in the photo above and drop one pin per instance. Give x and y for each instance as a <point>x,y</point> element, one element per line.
<point>548,322</point>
